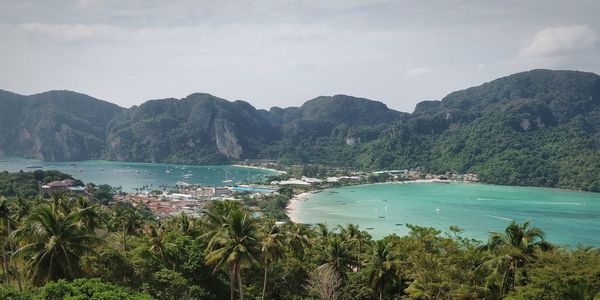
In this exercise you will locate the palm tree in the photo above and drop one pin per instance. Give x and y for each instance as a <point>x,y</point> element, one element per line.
<point>128,219</point>
<point>323,233</point>
<point>297,238</point>
<point>339,256</point>
<point>352,234</point>
<point>59,202</point>
<point>234,244</point>
<point>88,214</point>
<point>159,245</point>
<point>383,265</point>
<point>5,215</point>
<point>53,244</point>
<point>272,248</point>
<point>516,247</point>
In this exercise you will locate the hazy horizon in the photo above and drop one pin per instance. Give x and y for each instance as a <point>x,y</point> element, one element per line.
<point>282,53</point>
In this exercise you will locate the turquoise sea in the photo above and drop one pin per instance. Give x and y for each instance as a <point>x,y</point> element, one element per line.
<point>130,175</point>
<point>567,217</point>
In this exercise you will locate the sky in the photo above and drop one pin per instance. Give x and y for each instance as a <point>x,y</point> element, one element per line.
<point>284,52</point>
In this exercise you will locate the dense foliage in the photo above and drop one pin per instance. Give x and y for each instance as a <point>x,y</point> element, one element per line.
<point>71,248</point>
<point>27,184</point>
<point>539,128</point>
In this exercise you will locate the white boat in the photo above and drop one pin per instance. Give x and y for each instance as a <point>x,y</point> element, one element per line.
<point>187,176</point>
<point>227,180</point>
<point>34,167</point>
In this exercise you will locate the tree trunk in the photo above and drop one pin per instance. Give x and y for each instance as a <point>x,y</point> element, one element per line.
<point>5,259</point>
<point>240,284</point>
<point>124,238</point>
<point>381,294</point>
<point>231,281</point>
<point>264,281</point>
<point>3,266</point>
<point>11,253</point>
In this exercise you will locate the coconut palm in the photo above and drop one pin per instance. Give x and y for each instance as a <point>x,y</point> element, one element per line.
<point>272,248</point>
<point>234,244</point>
<point>128,219</point>
<point>383,265</point>
<point>297,238</point>
<point>515,248</point>
<point>88,214</point>
<point>352,234</point>
<point>159,244</point>
<point>339,255</point>
<point>52,244</point>
<point>4,216</point>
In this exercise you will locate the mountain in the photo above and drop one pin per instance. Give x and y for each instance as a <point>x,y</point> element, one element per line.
<point>538,128</point>
<point>200,129</point>
<point>55,125</point>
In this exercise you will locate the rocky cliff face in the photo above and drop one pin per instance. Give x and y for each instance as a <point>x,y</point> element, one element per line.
<point>226,140</point>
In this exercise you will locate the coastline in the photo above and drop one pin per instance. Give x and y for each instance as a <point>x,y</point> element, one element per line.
<point>292,205</point>
<point>260,168</point>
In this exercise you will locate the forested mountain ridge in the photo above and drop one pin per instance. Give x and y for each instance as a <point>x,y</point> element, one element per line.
<point>539,128</point>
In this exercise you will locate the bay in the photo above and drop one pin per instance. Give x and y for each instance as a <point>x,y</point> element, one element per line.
<point>567,217</point>
<point>130,175</point>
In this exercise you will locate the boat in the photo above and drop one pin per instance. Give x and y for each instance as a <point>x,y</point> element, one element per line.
<point>398,224</point>
<point>34,167</point>
<point>227,180</point>
<point>187,176</point>
<point>370,228</point>
<point>381,217</point>
<point>2,160</point>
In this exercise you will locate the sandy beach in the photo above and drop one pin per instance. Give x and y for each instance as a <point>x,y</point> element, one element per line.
<point>293,204</point>
<point>260,168</point>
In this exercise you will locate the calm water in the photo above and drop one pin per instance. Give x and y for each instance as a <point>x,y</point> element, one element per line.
<point>567,217</point>
<point>135,175</point>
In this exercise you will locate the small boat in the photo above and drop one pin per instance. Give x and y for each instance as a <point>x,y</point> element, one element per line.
<point>34,167</point>
<point>370,228</point>
<point>381,217</point>
<point>398,224</point>
<point>101,169</point>
<point>227,180</point>
<point>2,160</point>
<point>187,176</point>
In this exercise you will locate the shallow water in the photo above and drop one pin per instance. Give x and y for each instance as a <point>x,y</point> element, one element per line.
<point>567,217</point>
<point>130,175</point>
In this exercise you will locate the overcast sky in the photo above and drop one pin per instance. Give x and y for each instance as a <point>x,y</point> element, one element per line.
<point>283,52</point>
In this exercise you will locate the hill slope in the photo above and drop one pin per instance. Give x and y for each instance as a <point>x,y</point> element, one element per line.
<point>533,128</point>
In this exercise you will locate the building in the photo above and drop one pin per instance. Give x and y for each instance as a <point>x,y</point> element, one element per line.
<point>67,185</point>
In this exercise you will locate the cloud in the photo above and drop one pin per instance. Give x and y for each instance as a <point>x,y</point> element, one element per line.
<point>417,72</point>
<point>558,41</point>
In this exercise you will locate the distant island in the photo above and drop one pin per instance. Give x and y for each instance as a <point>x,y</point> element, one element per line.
<point>536,128</point>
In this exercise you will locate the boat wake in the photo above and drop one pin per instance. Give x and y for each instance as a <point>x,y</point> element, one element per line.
<point>498,217</point>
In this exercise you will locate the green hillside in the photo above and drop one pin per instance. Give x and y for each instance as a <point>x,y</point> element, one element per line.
<point>537,128</point>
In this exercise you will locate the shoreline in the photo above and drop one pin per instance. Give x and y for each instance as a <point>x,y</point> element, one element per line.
<point>292,205</point>
<point>260,168</point>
